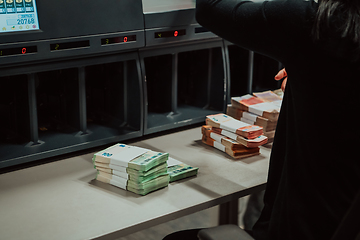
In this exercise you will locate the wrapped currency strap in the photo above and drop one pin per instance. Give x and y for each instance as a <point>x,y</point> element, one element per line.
<point>131,157</point>
<point>257,106</point>
<point>232,140</point>
<point>130,171</point>
<point>230,124</point>
<point>238,154</point>
<point>251,118</point>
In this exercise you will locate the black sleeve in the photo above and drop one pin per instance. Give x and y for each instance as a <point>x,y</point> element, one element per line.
<point>270,28</point>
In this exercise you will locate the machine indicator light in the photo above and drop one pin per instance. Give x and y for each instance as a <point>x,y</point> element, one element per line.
<point>18,51</point>
<point>69,45</point>
<point>116,40</point>
<point>168,34</point>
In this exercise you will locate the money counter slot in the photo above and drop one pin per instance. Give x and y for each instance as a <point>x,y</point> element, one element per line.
<point>201,82</point>
<point>14,111</point>
<point>57,101</point>
<point>159,85</point>
<point>113,99</point>
<point>183,87</point>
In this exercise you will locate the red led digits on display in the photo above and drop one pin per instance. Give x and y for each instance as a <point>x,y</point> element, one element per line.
<point>176,33</point>
<point>23,51</point>
<point>125,39</point>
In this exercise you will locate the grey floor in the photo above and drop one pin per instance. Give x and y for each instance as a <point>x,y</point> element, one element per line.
<point>205,218</point>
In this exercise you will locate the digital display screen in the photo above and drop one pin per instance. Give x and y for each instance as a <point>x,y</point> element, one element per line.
<point>18,15</point>
<point>115,40</point>
<point>168,34</point>
<point>18,51</point>
<point>69,45</point>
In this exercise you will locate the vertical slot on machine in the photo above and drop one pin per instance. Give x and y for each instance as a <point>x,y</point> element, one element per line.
<point>113,99</point>
<point>201,81</point>
<point>14,111</point>
<point>57,101</point>
<point>159,85</point>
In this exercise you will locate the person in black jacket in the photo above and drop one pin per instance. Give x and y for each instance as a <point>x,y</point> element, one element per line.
<point>314,171</point>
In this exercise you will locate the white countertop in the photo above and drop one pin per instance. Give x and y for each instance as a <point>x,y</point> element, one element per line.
<point>61,200</point>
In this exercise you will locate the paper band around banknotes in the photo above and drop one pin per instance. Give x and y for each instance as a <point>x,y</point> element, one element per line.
<point>126,156</point>
<point>261,107</point>
<point>121,154</point>
<point>250,116</point>
<point>172,162</point>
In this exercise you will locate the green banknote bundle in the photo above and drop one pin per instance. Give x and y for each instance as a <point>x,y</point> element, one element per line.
<point>142,188</point>
<point>137,158</point>
<point>178,170</point>
<point>135,169</point>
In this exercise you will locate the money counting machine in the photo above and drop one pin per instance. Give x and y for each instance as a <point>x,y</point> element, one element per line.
<point>81,74</point>
<point>183,64</point>
<point>34,30</point>
<point>69,74</point>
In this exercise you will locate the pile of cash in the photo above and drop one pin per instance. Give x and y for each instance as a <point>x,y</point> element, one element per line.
<point>138,170</point>
<point>178,170</point>
<point>233,125</point>
<point>261,109</point>
<point>234,137</point>
<point>132,168</point>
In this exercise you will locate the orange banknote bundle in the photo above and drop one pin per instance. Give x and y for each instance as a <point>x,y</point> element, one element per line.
<point>232,140</point>
<point>233,125</point>
<point>242,152</point>
<point>257,106</point>
<point>251,118</point>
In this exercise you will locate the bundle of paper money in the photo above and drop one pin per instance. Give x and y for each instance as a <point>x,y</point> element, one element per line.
<point>257,106</point>
<point>233,125</point>
<point>251,118</point>
<point>232,140</point>
<point>269,96</point>
<point>262,109</point>
<point>178,170</point>
<point>132,168</point>
<point>238,152</point>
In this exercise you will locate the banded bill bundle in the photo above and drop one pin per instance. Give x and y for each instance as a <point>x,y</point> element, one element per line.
<point>212,137</point>
<point>262,109</point>
<point>234,137</point>
<point>178,170</point>
<point>132,168</point>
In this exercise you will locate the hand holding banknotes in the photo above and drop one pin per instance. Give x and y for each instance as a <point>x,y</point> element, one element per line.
<point>280,75</point>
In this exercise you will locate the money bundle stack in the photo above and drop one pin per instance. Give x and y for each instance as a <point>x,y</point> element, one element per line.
<point>132,168</point>
<point>236,138</point>
<point>262,109</point>
<point>178,170</point>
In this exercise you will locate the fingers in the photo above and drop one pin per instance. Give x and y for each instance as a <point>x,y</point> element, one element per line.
<point>281,74</point>
<point>283,84</point>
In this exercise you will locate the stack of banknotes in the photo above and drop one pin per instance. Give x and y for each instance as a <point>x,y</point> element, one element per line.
<point>132,168</point>
<point>138,170</point>
<point>261,109</point>
<point>178,170</point>
<point>236,138</point>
